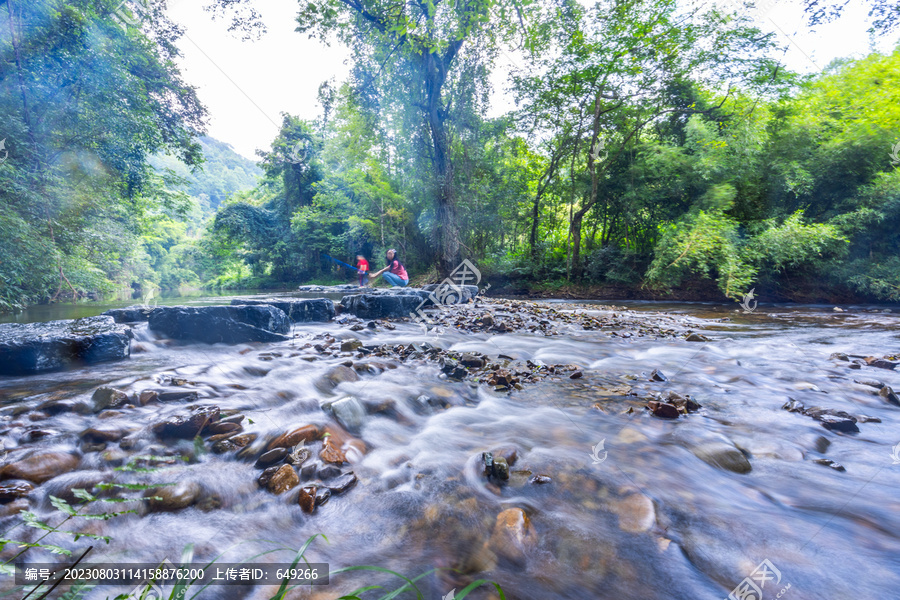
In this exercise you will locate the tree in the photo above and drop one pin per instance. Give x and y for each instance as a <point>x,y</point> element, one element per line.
<point>415,47</point>
<point>620,67</point>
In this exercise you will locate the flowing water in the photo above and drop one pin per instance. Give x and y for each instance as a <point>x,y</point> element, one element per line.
<point>640,517</point>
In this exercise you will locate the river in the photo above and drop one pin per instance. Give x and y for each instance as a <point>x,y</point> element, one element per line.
<point>630,511</point>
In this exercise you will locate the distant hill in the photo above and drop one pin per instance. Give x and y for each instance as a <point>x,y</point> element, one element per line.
<point>224,173</point>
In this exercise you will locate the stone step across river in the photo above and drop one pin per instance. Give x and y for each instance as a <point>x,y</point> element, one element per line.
<point>396,303</point>
<point>298,311</point>
<point>27,348</point>
<point>221,324</point>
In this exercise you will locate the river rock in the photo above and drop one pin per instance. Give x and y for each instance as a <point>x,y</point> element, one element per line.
<point>130,314</point>
<point>343,483</point>
<point>349,412</point>
<point>722,455</point>
<point>306,433</point>
<point>279,479</point>
<point>307,498</point>
<point>845,424</point>
<point>322,495</point>
<point>380,306</point>
<point>636,513</point>
<point>508,453</point>
<point>334,377</point>
<point>101,434</point>
<point>272,457</point>
<point>696,337</point>
<point>40,467</point>
<point>187,427</point>
<point>471,361</point>
<point>173,497</point>
<point>298,311</point>
<point>107,397</point>
<point>663,410</point>
<point>540,480</point>
<point>225,324</point>
<point>513,535</point>
<point>10,490</point>
<point>224,428</point>
<point>234,442</point>
<point>887,393</point>
<point>880,363</point>
<point>34,347</point>
<point>331,452</point>
<point>349,345</point>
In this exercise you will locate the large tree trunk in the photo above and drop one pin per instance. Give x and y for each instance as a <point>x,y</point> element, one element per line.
<point>577,268</point>
<point>448,242</point>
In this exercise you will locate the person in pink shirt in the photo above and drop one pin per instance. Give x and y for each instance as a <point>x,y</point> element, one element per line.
<point>396,274</point>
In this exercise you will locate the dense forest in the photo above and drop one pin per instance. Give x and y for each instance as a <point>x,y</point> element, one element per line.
<point>654,145</point>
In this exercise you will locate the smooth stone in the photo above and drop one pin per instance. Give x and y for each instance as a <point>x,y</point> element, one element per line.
<point>280,479</point>
<point>343,483</point>
<point>723,456</point>
<point>307,498</point>
<point>636,513</point>
<point>172,498</point>
<point>349,412</point>
<point>41,467</point>
<point>334,377</point>
<point>513,535</point>
<point>350,345</point>
<point>107,397</point>
<point>306,433</point>
<point>274,456</point>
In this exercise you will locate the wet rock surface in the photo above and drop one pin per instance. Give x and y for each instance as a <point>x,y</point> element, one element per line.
<point>35,347</point>
<point>298,311</point>
<point>221,324</point>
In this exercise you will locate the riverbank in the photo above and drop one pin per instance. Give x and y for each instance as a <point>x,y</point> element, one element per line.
<point>503,439</point>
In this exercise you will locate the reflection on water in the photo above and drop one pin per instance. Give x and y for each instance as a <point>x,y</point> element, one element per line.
<point>653,519</point>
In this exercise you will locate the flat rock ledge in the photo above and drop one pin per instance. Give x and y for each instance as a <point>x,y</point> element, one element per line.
<point>298,311</point>
<point>221,324</point>
<point>27,348</point>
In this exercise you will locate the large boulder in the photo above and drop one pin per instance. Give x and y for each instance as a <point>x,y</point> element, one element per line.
<point>34,347</point>
<point>381,306</point>
<point>130,314</point>
<point>298,311</point>
<point>227,324</point>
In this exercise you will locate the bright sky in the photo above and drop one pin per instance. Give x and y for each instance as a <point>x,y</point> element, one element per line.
<point>247,85</point>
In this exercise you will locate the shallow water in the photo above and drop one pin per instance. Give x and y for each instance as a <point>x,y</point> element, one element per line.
<point>421,502</point>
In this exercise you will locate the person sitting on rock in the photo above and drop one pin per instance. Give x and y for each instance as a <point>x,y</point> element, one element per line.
<point>397,274</point>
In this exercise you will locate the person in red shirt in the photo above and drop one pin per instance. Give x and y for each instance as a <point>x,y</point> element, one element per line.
<point>362,267</point>
<point>397,274</point>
